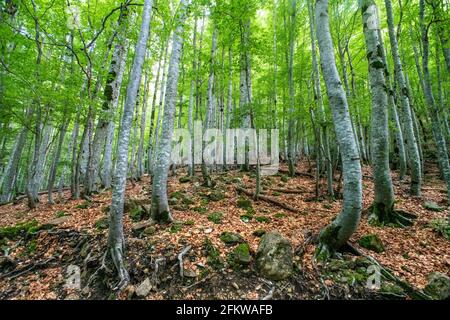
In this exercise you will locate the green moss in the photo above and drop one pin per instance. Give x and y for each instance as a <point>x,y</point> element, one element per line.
<point>31,247</point>
<point>240,257</point>
<point>60,214</point>
<point>276,193</point>
<point>371,242</point>
<point>246,217</point>
<point>216,195</point>
<point>284,178</point>
<point>200,209</point>
<point>280,215</point>
<point>102,223</point>
<point>244,203</point>
<point>176,227</point>
<point>189,222</point>
<point>185,179</point>
<point>20,230</point>
<point>84,205</point>
<point>213,255</point>
<point>137,214</point>
<point>263,219</point>
<point>216,217</point>
<point>231,238</point>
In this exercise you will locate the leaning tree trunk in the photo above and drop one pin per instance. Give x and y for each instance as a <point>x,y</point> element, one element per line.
<point>160,206</point>
<point>413,150</point>
<point>116,241</point>
<point>432,106</point>
<point>340,230</point>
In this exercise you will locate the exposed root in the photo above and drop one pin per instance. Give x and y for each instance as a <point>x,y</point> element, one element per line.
<point>380,216</point>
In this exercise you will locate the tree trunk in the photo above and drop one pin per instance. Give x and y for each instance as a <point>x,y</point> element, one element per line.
<point>340,230</point>
<point>116,240</point>
<point>160,207</point>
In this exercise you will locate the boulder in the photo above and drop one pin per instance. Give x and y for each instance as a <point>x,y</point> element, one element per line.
<point>144,288</point>
<point>274,258</point>
<point>371,242</point>
<point>438,286</point>
<point>240,256</point>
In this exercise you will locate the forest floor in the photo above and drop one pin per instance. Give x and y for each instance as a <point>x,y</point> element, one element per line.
<point>34,265</point>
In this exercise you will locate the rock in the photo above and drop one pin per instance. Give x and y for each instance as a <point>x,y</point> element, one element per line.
<point>438,286</point>
<point>230,238</point>
<point>274,258</point>
<point>102,223</point>
<point>7,264</point>
<point>244,203</point>
<point>136,227</point>
<point>432,206</point>
<point>151,230</point>
<point>144,288</point>
<point>208,230</point>
<point>240,256</point>
<point>72,296</point>
<point>57,221</point>
<point>371,242</point>
<point>189,273</point>
<point>259,233</point>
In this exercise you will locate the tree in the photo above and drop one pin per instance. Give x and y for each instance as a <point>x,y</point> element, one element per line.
<point>160,211</point>
<point>335,235</point>
<point>116,243</point>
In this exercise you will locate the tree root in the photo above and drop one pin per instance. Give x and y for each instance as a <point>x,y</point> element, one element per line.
<point>269,199</point>
<point>180,259</point>
<point>390,217</point>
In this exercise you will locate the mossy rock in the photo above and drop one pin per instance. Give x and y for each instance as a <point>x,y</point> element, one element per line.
<point>438,286</point>
<point>274,258</point>
<point>102,223</point>
<point>244,203</point>
<point>185,179</point>
<point>284,178</point>
<point>259,233</point>
<point>371,242</point>
<point>280,215</point>
<point>149,231</point>
<point>263,219</point>
<point>187,201</point>
<point>200,209</point>
<point>215,217</point>
<point>214,260</point>
<point>240,256</point>
<point>231,238</point>
<point>216,195</point>
<point>432,206</point>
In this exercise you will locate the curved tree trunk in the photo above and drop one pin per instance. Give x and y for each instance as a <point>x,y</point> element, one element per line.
<point>340,230</point>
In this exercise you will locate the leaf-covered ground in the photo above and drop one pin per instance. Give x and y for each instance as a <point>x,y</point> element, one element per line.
<point>36,263</point>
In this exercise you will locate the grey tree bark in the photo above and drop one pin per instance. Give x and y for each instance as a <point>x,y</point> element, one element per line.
<point>340,230</point>
<point>160,211</point>
<point>116,241</point>
<point>413,150</point>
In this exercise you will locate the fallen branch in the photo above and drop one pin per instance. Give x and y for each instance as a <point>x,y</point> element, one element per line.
<point>298,173</point>
<point>289,191</point>
<point>180,259</point>
<point>268,199</point>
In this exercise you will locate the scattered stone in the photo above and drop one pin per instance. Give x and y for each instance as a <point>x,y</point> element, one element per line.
<point>274,258</point>
<point>231,238</point>
<point>259,233</point>
<point>438,286</point>
<point>240,256</point>
<point>432,206</point>
<point>189,273</point>
<point>144,288</point>
<point>371,242</point>
<point>208,230</point>
<point>151,230</point>
<point>57,221</point>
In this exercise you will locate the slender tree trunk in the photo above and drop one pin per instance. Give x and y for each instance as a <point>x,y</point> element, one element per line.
<point>160,207</point>
<point>116,239</point>
<point>340,230</point>
<point>413,150</point>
